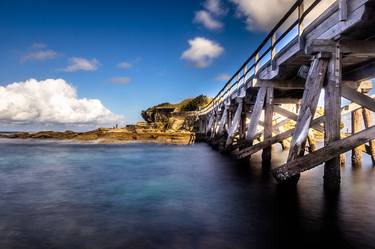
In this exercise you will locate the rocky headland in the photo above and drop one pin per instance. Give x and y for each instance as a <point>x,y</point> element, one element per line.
<point>165,123</point>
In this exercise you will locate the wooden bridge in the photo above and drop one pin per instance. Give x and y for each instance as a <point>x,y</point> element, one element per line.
<point>321,44</point>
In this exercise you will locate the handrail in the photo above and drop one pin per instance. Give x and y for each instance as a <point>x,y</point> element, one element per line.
<point>298,5</point>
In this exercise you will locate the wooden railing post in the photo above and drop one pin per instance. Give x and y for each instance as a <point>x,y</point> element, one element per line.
<point>256,69</point>
<point>343,5</point>
<point>245,76</point>
<point>273,53</point>
<point>238,81</point>
<point>301,27</point>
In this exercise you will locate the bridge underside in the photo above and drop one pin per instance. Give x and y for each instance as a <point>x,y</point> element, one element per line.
<point>280,103</point>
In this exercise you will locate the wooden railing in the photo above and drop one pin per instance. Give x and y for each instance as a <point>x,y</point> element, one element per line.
<point>247,74</point>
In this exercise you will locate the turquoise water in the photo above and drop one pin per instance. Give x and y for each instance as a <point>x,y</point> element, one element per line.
<point>59,195</point>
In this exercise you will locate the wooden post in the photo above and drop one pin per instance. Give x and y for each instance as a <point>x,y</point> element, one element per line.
<point>312,141</point>
<point>367,118</point>
<point>243,127</point>
<point>268,116</point>
<point>301,10</point>
<point>256,69</point>
<point>343,6</point>
<point>356,127</point>
<point>309,101</point>
<point>273,53</point>
<point>332,109</point>
<point>255,115</point>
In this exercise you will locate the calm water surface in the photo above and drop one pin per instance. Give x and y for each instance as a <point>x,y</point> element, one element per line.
<point>155,196</point>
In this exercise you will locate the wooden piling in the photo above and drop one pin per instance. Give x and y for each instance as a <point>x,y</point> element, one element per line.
<point>356,127</point>
<point>332,109</point>
<point>367,118</point>
<point>268,117</point>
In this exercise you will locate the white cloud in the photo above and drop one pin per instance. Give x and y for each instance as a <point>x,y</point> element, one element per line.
<point>52,101</point>
<point>214,7</point>
<point>262,15</point>
<point>120,80</point>
<point>40,55</point>
<point>223,77</point>
<point>202,52</point>
<point>124,65</point>
<point>210,15</point>
<point>82,64</point>
<point>205,18</point>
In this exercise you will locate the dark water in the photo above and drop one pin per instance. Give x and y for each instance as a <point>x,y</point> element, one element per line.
<point>154,196</point>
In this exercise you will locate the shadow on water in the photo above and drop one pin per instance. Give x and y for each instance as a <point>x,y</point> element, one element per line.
<point>154,196</point>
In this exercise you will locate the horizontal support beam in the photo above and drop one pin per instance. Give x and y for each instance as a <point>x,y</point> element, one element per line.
<point>357,97</point>
<point>294,117</point>
<point>360,48</point>
<point>322,155</point>
<point>352,107</point>
<point>268,142</point>
<point>364,72</point>
<point>279,101</point>
<point>282,84</point>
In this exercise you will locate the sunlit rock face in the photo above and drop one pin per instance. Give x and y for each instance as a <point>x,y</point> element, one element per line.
<point>168,116</point>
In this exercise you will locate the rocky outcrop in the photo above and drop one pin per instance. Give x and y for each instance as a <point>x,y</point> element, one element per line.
<point>175,117</point>
<point>165,123</point>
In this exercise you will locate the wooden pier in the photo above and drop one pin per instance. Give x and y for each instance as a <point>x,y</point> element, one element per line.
<point>320,45</point>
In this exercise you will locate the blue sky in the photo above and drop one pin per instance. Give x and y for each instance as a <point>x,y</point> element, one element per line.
<point>44,39</point>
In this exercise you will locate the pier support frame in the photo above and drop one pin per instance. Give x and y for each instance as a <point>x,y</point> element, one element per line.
<point>332,108</point>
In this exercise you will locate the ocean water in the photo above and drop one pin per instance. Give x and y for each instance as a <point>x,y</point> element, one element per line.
<point>61,195</point>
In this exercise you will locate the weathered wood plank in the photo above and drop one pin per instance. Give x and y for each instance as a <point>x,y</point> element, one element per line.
<point>358,48</point>
<point>310,100</point>
<point>235,123</point>
<point>248,151</point>
<point>258,107</point>
<point>367,118</point>
<point>324,154</point>
<point>294,117</point>
<point>284,85</point>
<point>343,6</point>
<point>356,127</point>
<point>332,109</point>
<point>268,117</point>
<point>358,98</point>
<point>352,107</point>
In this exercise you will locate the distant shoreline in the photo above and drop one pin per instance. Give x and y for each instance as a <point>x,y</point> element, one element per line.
<point>109,136</point>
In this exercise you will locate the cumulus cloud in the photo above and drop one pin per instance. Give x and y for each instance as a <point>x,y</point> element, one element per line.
<point>52,101</point>
<point>120,80</point>
<point>214,7</point>
<point>262,15</point>
<point>223,77</point>
<point>124,65</point>
<point>82,64</point>
<point>40,55</point>
<point>205,18</point>
<point>202,52</point>
<point>210,15</point>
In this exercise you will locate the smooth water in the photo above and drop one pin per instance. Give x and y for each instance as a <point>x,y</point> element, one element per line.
<point>157,196</point>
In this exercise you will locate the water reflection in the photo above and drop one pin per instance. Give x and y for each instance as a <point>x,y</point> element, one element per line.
<point>152,196</point>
